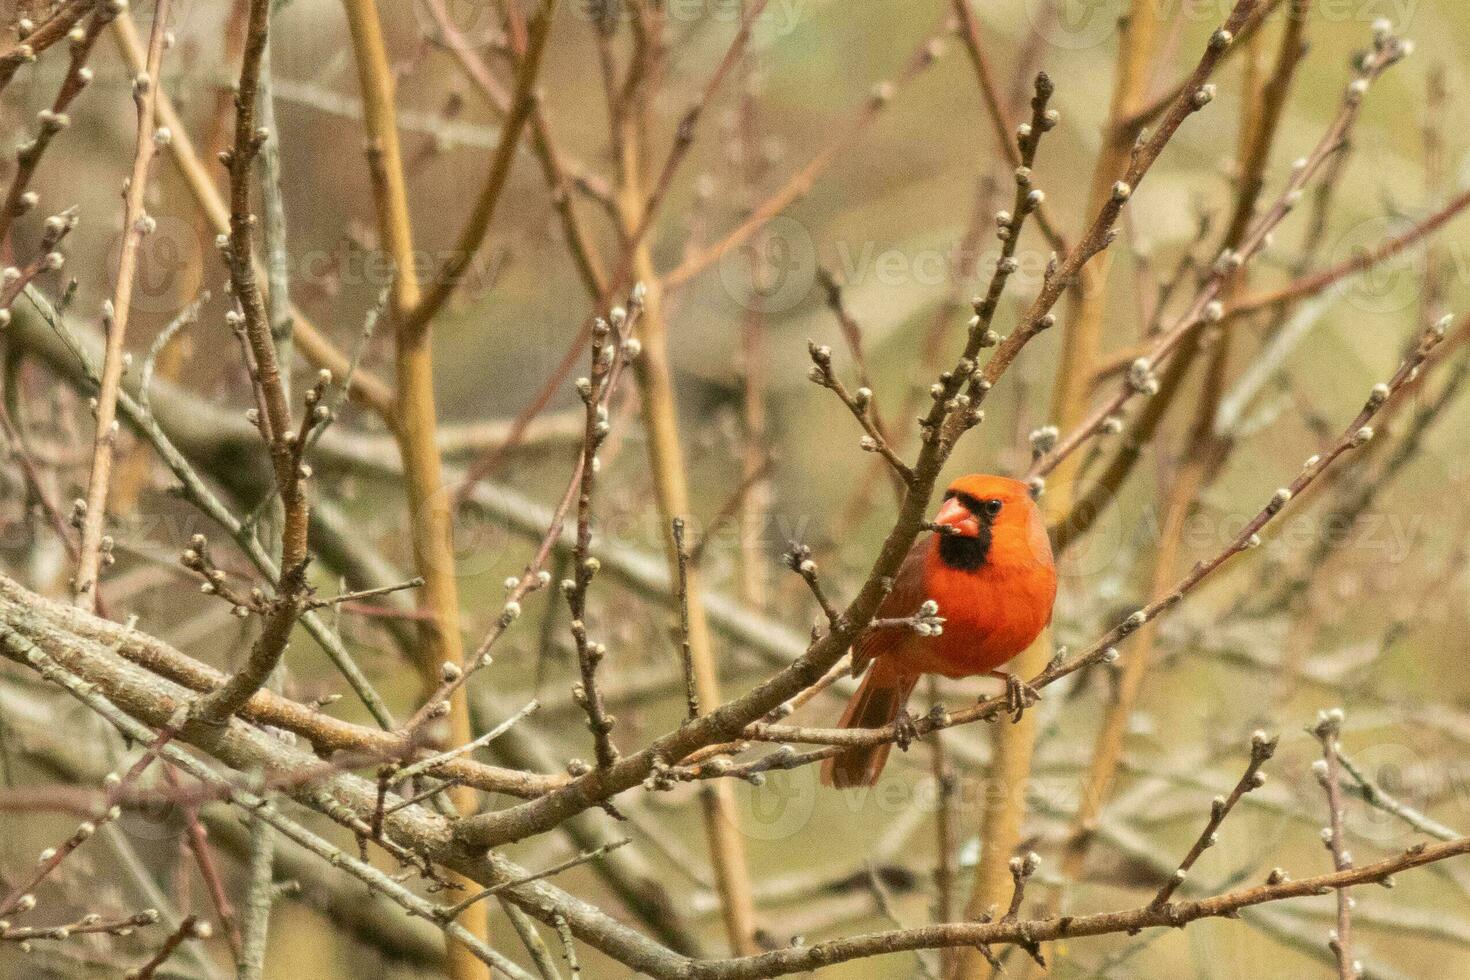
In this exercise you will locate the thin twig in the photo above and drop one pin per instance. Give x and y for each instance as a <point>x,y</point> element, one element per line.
<point>592,855</point>
<point>1329,774</point>
<point>1205,308</point>
<point>136,224</point>
<point>190,928</point>
<point>607,348</point>
<point>686,656</point>
<point>416,319</point>
<point>1262,748</point>
<point>259,897</point>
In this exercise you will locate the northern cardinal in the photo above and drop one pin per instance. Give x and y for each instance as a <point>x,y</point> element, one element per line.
<point>990,570</point>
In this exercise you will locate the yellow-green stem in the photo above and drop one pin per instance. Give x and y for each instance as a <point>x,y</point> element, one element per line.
<point>429,510</point>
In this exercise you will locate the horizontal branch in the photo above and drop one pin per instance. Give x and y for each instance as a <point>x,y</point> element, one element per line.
<point>799,959</point>
<point>129,696</point>
<point>325,733</point>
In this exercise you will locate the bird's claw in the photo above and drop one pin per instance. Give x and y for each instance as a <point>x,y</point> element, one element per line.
<point>1019,695</point>
<point>904,729</point>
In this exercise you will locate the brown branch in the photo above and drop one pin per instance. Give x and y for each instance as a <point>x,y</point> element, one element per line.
<point>955,410</point>
<point>203,854</point>
<point>416,319</point>
<point>284,440</point>
<point>20,199</point>
<point>860,404</point>
<point>1148,113</point>
<point>367,389</point>
<point>1205,308</point>
<point>189,928</point>
<point>136,224</point>
<point>90,924</point>
<point>1320,281</point>
<point>51,30</point>
<point>1329,774</point>
<point>995,108</point>
<point>1023,931</point>
<point>607,346</point>
<point>1262,748</point>
<point>16,279</point>
<point>686,656</point>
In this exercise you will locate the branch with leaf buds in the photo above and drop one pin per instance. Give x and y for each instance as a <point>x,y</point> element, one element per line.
<point>136,224</point>
<point>1103,650</point>
<point>1206,309</point>
<point>89,924</point>
<point>190,928</point>
<point>285,440</point>
<point>595,390</point>
<point>32,38</point>
<point>860,404</point>
<point>15,279</point>
<point>1262,748</point>
<point>799,559</point>
<point>620,321</point>
<point>925,622</point>
<point>1328,770</point>
<point>20,199</point>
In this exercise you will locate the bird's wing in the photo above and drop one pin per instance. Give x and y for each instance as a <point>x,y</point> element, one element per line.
<point>904,599</point>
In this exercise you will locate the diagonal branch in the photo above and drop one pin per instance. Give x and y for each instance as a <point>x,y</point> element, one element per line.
<point>470,239</point>
<point>93,553</point>
<point>285,442</point>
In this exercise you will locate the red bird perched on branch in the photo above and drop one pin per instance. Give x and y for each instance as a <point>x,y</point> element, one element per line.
<point>989,569</point>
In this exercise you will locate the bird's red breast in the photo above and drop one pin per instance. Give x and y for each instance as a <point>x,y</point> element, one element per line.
<point>994,580</point>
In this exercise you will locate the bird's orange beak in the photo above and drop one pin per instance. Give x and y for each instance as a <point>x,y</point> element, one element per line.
<point>956,515</point>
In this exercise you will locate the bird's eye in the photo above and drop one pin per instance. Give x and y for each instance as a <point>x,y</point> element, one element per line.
<point>992,507</point>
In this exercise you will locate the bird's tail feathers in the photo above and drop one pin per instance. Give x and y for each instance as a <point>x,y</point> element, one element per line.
<point>877,702</point>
